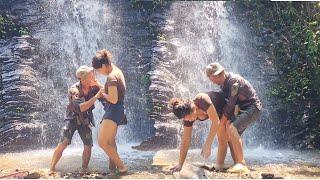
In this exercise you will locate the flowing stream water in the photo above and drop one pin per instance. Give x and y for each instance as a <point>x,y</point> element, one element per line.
<point>203,32</point>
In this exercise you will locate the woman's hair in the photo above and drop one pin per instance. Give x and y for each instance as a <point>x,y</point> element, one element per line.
<point>180,107</point>
<point>102,57</point>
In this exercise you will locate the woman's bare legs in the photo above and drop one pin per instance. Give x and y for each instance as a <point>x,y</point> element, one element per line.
<point>223,146</point>
<point>236,142</point>
<point>106,139</point>
<point>112,166</point>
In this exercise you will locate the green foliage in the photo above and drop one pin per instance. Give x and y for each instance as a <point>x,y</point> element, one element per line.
<point>8,28</point>
<point>158,107</point>
<point>161,37</point>
<point>148,5</point>
<point>295,55</point>
<point>19,110</point>
<point>145,79</point>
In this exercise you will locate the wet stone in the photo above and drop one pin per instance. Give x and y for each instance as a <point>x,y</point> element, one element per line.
<point>267,175</point>
<point>98,177</point>
<point>34,175</point>
<point>85,177</point>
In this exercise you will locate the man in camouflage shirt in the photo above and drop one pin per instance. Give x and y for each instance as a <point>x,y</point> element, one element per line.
<point>237,91</point>
<point>82,96</point>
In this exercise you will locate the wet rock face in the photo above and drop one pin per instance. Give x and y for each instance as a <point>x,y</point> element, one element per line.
<point>177,64</point>
<point>161,88</point>
<point>43,82</point>
<point>19,97</point>
<point>185,44</point>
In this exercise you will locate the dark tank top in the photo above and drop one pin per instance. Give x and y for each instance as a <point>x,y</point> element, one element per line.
<point>204,100</point>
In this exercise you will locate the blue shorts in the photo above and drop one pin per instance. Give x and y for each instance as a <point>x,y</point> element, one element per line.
<point>115,112</point>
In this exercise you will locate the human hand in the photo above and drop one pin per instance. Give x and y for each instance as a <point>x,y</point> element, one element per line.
<point>100,93</point>
<point>206,151</point>
<point>176,168</point>
<point>105,95</point>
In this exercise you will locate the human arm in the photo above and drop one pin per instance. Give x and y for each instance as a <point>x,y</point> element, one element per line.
<point>213,116</point>
<point>112,95</point>
<point>184,147</point>
<point>229,109</point>
<point>87,104</point>
<point>111,86</point>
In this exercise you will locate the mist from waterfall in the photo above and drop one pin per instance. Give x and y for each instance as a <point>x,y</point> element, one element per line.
<point>75,31</point>
<point>204,33</point>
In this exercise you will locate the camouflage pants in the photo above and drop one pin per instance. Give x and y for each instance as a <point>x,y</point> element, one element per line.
<point>242,121</point>
<point>84,131</point>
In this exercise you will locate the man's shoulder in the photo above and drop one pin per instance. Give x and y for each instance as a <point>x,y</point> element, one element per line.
<point>95,88</point>
<point>201,96</point>
<point>75,85</point>
<point>112,77</point>
<point>235,78</point>
<point>74,89</point>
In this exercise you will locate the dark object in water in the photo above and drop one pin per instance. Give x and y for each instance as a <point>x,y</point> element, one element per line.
<point>267,175</point>
<point>34,175</point>
<point>119,173</point>
<point>213,168</point>
<point>207,168</point>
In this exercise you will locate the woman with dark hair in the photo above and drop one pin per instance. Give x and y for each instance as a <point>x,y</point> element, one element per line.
<point>204,106</point>
<point>114,116</point>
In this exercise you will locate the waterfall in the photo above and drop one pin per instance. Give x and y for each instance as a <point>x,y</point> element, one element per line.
<point>192,35</point>
<point>163,53</point>
<point>74,31</point>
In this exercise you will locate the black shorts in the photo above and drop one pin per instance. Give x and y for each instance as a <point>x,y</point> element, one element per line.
<point>245,118</point>
<point>115,112</point>
<point>84,131</point>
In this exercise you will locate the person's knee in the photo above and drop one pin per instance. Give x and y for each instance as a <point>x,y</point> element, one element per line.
<point>63,145</point>
<point>87,148</point>
<point>233,132</point>
<point>102,143</point>
<point>111,142</point>
<point>222,140</point>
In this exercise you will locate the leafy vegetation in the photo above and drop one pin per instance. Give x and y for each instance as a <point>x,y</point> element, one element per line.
<point>148,5</point>
<point>295,54</point>
<point>8,27</point>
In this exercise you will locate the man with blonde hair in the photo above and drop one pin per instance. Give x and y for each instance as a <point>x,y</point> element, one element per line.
<point>237,91</point>
<point>82,96</point>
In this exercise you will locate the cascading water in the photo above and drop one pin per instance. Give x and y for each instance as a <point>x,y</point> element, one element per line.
<point>192,35</point>
<point>203,32</point>
<point>75,31</point>
<point>196,34</point>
